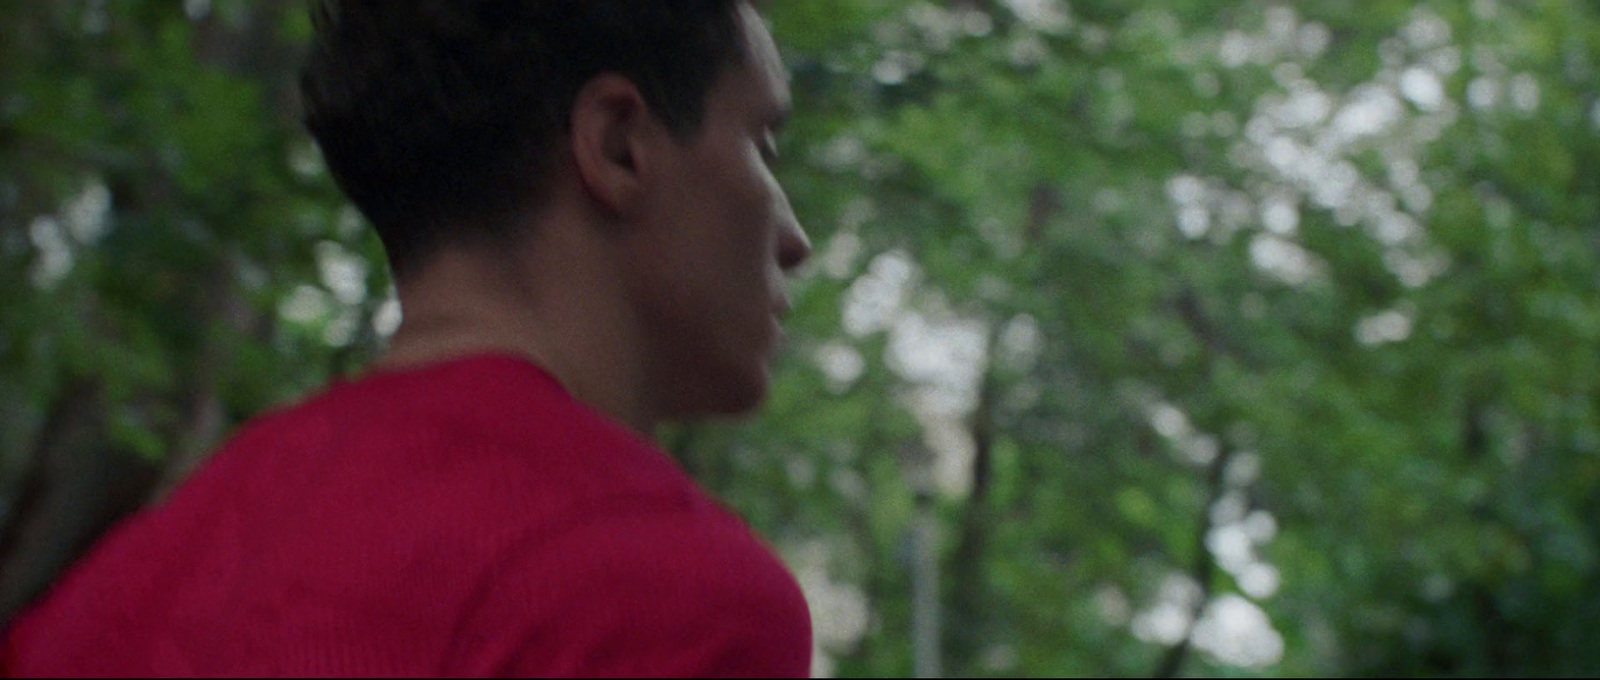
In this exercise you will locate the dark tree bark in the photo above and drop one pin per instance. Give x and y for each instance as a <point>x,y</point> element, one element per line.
<point>76,487</point>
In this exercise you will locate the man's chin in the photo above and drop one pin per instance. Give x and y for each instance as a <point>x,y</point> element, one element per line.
<point>731,398</point>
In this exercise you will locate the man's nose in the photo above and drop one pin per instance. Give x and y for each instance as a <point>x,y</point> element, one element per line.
<point>794,247</point>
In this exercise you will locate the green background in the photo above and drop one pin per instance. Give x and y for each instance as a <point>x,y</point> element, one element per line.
<point>1195,337</point>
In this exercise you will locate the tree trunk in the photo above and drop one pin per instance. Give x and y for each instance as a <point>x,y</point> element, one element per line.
<point>76,487</point>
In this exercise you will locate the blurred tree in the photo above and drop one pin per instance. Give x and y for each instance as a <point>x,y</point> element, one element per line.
<point>160,202</point>
<point>1225,338</point>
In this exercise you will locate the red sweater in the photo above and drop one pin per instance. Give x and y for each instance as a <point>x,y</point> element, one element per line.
<point>468,518</point>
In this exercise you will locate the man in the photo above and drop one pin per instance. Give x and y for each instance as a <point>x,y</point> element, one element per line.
<point>577,200</point>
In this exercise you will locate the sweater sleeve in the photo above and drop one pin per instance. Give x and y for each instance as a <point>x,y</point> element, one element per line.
<point>685,593</point>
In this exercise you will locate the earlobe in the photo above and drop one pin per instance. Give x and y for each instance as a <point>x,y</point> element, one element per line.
<point>609,121</point>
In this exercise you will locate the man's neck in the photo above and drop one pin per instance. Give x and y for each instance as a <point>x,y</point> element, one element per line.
<point>551,305</point>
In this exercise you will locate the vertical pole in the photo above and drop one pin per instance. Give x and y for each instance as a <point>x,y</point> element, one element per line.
<point>925,590</point>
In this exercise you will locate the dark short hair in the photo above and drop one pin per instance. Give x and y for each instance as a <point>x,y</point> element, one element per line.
<point>440,118</point>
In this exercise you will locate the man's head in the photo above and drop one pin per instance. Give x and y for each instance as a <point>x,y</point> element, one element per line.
<point>442,119</point>
<point>640,132</point>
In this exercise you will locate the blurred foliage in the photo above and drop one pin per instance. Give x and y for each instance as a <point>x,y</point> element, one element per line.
<point>1223,338</point>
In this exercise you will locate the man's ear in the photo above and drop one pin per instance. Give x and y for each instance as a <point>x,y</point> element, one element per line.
<point>611,129</point>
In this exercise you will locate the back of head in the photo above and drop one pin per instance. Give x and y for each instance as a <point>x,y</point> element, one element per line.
<point>442,119</point>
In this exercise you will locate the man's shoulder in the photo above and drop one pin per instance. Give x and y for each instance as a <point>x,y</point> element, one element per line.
<point>379,483</point>
<point>383,505</point>
<point>494,416</point>
<point>639,589</point>
<point>482,396</point>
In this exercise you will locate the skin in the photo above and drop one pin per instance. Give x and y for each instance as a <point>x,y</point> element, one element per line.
<point>649,281</point>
